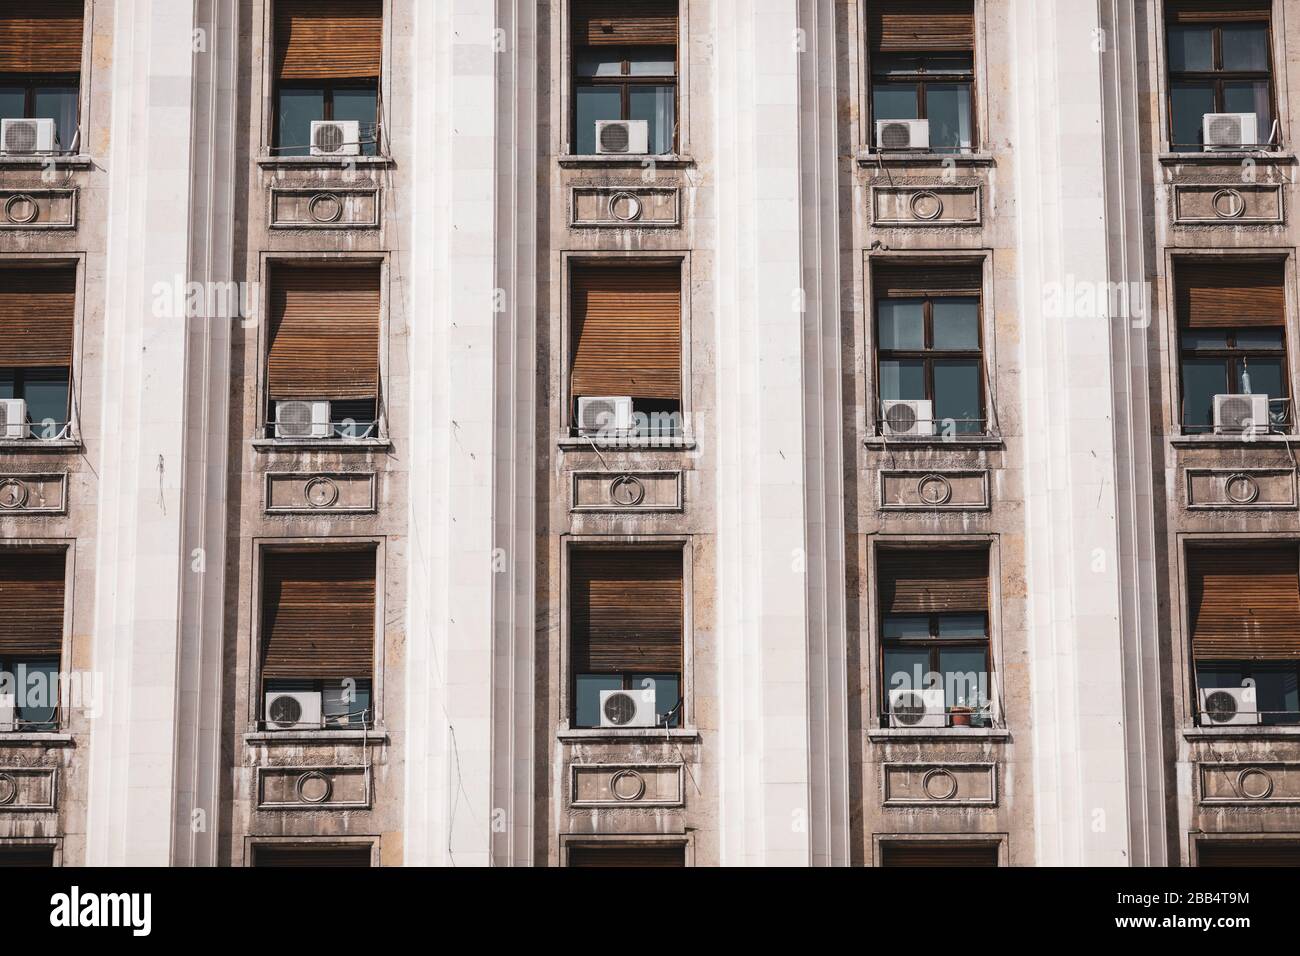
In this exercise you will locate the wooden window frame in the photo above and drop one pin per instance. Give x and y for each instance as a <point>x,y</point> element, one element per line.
<point>68,547</point>
<point>1231,356</point>
<point>881,841</point>
<point>252,843</point>
<point>625,82</point>
<point>328,88</point>
<point>1217,77</point>
<point>920,79</point>
<point>601,840</point>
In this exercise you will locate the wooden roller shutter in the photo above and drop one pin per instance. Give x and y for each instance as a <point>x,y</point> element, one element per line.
<point>1216,11</point>
<point>31,603</point>
<point>1228,294</point>
<point>318,614</point>
<point>900,280</point>
<point>1244,604</point>
<point>945,853</point>
<point>624,23</point>
<point>921,26</point>
<point>627,331</point>
<point>43,36</point>
<point>303,855</point>
<point>626,611</point>
<point>328,39</point>
<point>636,856</point>
<point>26,856</point>
<point>324,333</point>
<point>37,312</point>
<point>933,582</point>
<point>1247,853</point>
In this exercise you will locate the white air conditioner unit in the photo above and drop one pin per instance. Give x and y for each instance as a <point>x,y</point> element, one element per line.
<point>335,138</point>
<point>1241,415</point>
<point>627,708</point>
<point>27,136</point>
<point>296,419</point>
<point>910,707</point>
<point>604,414</point>
<point>910,419</point>
<point>622,136</point>
<point>13,418</point>
<point>1229,130</point>
<point>1222,706</point>
<point>293,710</point>
<point>8,713</point>
<point>902,134</point>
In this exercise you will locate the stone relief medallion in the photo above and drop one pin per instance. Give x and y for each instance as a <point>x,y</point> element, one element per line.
<point>13,494</point>
<point>627,491</point>
<point>21,209</point>
<point>313,787</point>
<point>1228,204</point>
<point>934,490</point>
<point>625,207</point>
<point>325,208</point>
<point>8,789</point>
<point>1241,489</point>
<point>925,205</point>
<point>939,784</point>
<point>627,785</point>
<point>1254,783</point>
<point>321,492</point>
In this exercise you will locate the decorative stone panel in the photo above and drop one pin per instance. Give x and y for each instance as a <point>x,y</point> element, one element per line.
<point>946,490</point>
<point>38,208</point>
<point>622,785</point>
<point>1228,204</point>
<point>923,205</point>
<point>31,789</point>
<point>325,207</point>
<point>40,494</point>
<point>1241,488</point>
<point>625,207</point>
<point>931,784</point>
<point>627,491</point>
<point>320,493</point>
<point>1249,783</point>
<point>313,788</point>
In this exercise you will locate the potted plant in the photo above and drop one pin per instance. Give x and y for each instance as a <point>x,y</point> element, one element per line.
<point>961,714</point>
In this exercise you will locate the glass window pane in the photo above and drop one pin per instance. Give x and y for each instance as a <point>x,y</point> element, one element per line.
<point>47,402</point>
<point>1260,376</point>
<point>1245,47</point>
<point>957,323</point>
<point>900,324</point>
<point>597,62</point>
<point>957,397</point>
<point>1197,339</point>
<point>1276,693</point>
<point>653,61</point>
<point>298,109</point>
<point>965,676</point>
<point>346,705</point>
<point>1251,96</point>
<point>667,689</point>
<point>1215,676</point>
<point>947,105</point>
<point>58,103</point>
<point>37,685</point>
<point>893,63</point>
<point>361,105</point>
<point>898,627</point>
<point>902,380</point>
<point>587,704</point>
<point>13,102</point>
<point>7,384</point>
<point>594,103</point>
<point>906,669</point>
<point>1190,102</point>
<point>1259,339</point>
<point>954,626</point>
<point>657,105</point>
<point>1191,48</point>
<point>1202,380</point>
<point>950,63</point>
<point>894,101</point>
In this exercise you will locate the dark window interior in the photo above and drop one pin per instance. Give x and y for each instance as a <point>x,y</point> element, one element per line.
<point>1218,68</point>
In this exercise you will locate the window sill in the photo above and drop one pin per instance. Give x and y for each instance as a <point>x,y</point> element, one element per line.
<point>1224,157</point>
<point>321,444</point>
<point>971,441</point>
<point>79,161</point>
<point>666,160</point>
<point>632,733</point>
<point>1230,441</point>
<point>377,735</point>
<point>871,157</point>
<point>1238,733</point>
<point>35,740</point>
<point>36,445</point>
<point>938,733</point>
<point>324,162</point>
<point>569,443</point>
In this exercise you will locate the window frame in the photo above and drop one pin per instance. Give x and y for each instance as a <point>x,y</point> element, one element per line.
<point>68,548</point>
<point>614,840</point>
<point>1232,357</point>
<point>31,82</point>
<point>920,79</point>
<point>1217,77</point>
<point>328,88</point>
<point>625,82</point>
<point>999,840</point>
<point>933,645</point>
<point>251,843</point>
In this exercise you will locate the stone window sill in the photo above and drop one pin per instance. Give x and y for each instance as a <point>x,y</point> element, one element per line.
<point>1230,441</point>
<point>569,443</point>
<point>1208,734</point>
<point>79,161</point>
<point>597,734</point>
<point>892,734</point>
<point>1229,157</point>
<point>36,740</point>
<point>378,735</point>
<point>666,160</point>
<point>324,162</point>
<point>321,444</point>
<point>871,157</point>
<point>36,445</point>
<point>971,441</point>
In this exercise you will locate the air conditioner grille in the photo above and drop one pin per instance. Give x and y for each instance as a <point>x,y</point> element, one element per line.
<point>620,709</point>
<point>294,418</point>
<point>20,138</point>
<point>901,418</point>
<point>909,709</point>
<point>285,711</point>
<point>1220,706</point>
<point>4,416</point>
<point>614,138</point>
<point>1236,412</point>
<point>895,136</point>
<point>1225,129</point>
<point>329,137</point>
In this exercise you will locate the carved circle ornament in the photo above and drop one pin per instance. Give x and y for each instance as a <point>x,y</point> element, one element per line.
<point>934,490</point>
<point>325,208</point>
<point>627,491</point>
<point>627,785</point>
<point>939,784</point>
<point>925,205</point>
<point>625,207</point>
<point>321,492</point>
<point>313,787</point>
<point>8,789</point>
<point>1255,783</point>
<point>1228,204</point>
<point>1241,489</point>
<point>21,209</point>
<point>13,494</point>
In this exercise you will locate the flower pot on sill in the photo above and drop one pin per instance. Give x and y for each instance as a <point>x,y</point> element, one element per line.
<point>960,716</point>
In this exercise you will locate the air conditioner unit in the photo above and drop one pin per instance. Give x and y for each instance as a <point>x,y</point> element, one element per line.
<point>26,136</point>
<point>8,713</point>
<point>298,419</point>
<point>1241,414</point>
<point>1229,130</point>
<point>293,710</point>
<point>910,419</point>
<point>335,138</point>
<point>1222,706</point>
<point>13,418</point>
<point>604,414</point>
<point>903,134</point>
<point>917,708</point>
<point>622,136</point>
<point>627,708</point>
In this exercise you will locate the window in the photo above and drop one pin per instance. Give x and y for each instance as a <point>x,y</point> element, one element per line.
<point>324,347</point>
<point>27,855</point>
<point>929,342</point>
<point>923,67</point>
<point>627,343</point>
<point>40,65</point>
<point>934,629</point>
<point>37,314</point>
<point>630,855</point>
<point>625,68</point>
<point>312,855</point>
<point>31,638</point>
<point>328,56</point>
<point>1231,317</point>
<point>918,853</point>
<point>1249,853</point>
<point>1244,614</point>
<point>625,630</point>
<point>318,639</point>
<point>1219,62</point>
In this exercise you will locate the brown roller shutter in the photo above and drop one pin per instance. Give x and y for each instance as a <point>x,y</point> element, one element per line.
<point>901,280</point>
<point>328,39</point>
<point>31,603</point>
<point>318,614</point>
<point>1230,294</point>
<point>1247,853</point>
<point>1244,604</point>
<point>26,856</point>
<point>945,853</point>
<point>932,582</point>
<point>638,856</point>
<point>624,23</point>
<point>626,610</point>
<point>304,855</point>
<point>324,333</point>
<point>37,311</point>
<point>41,37</point>
<point>627,331</point>
<point>921,26</point>
<point>1210,11</point>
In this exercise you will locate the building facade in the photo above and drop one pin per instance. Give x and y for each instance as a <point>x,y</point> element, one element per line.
<point>657,432</point>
